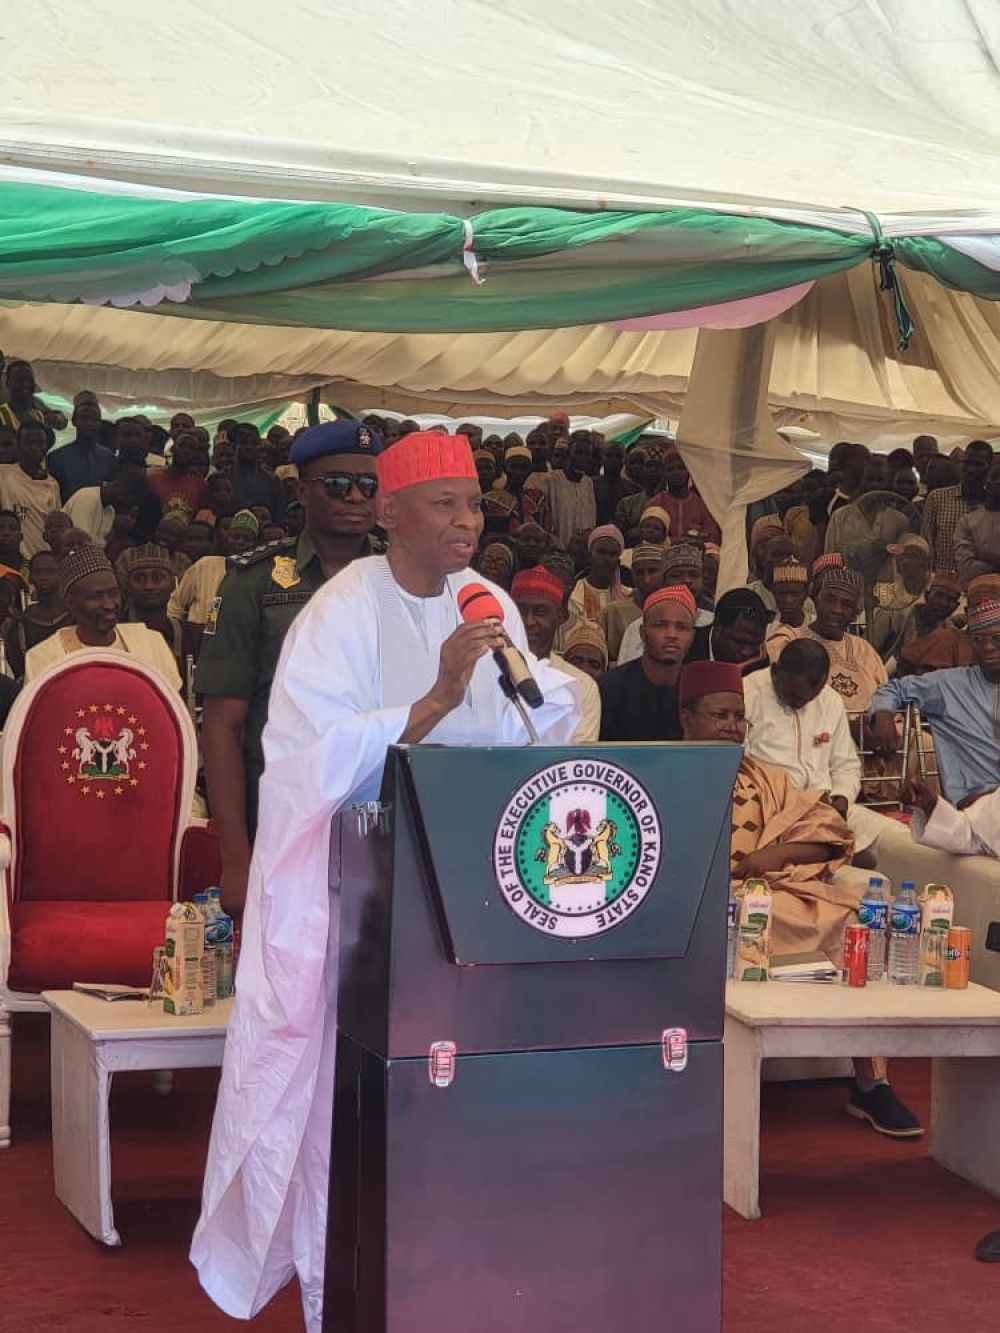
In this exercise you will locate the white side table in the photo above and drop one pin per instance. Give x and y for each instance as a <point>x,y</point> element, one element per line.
<point>958,1029</point>
<point>91,1041</point>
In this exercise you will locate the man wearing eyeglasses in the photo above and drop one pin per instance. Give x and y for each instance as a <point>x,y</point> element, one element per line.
<point>261,595</point>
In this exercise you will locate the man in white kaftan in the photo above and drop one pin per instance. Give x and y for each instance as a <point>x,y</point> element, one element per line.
<point>974,831</point>
<point>379,656</point>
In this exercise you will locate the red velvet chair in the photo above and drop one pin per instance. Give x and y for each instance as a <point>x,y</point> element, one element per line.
<point>97,775</point>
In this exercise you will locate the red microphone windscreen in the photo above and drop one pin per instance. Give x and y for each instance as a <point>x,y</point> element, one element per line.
<point>476,602</point>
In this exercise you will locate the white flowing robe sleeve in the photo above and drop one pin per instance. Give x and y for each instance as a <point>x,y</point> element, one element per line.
<point>971,832</point>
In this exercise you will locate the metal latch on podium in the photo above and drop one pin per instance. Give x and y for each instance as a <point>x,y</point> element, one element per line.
<point>674,1045</point>
<point>372,816</point>
<point>441,1063</point>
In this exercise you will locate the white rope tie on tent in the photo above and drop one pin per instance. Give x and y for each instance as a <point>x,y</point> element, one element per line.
<point>469,255</point>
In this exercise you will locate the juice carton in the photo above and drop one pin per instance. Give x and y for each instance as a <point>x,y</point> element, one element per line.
<point>182,960</point>
<point>755,908</point>
<point>937,907</point>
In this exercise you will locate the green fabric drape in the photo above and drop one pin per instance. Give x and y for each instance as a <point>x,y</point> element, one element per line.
<point>69,245</point>
<point>337,266</point>
<point>948,266</point>
<point>307,263</point>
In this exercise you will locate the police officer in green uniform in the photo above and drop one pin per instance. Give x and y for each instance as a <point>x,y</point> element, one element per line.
<point>261,594</point>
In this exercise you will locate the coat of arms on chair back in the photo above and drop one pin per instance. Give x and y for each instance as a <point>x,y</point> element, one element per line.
<point>97,775</point>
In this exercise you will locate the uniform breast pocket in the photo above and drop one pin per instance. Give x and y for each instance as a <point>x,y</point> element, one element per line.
<point>278,610</point>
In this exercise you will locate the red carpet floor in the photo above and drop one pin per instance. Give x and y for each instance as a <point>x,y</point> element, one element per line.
<point>858,1235</point>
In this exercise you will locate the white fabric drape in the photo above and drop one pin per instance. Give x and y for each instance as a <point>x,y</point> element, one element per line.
<point>727,438</point>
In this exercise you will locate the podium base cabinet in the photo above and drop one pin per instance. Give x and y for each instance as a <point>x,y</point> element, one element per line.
<point>564,1191</point>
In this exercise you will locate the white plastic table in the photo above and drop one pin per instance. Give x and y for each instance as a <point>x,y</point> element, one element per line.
<point>958,1029</point>
<point>91,1041</point>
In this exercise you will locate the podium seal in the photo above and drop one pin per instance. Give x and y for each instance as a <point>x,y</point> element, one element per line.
<point>577,848</point>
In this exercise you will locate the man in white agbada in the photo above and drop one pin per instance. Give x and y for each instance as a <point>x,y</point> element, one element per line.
<point>378,657</point>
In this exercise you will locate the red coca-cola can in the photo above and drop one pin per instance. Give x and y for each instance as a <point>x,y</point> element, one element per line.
<point>855,955</point>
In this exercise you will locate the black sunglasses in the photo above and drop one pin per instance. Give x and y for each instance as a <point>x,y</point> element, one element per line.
<point>338,485</point>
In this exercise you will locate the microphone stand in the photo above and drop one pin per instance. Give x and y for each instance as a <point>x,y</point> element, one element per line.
<point>509,689</point>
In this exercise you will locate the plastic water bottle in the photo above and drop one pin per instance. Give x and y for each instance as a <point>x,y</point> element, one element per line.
<point>874,913</point>
<point>732,936</point>
<point>208,956</point>
<point>220,933</point>
<point>904,943</point>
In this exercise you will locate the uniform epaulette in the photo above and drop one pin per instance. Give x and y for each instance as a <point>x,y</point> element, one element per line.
<point>258,553</point>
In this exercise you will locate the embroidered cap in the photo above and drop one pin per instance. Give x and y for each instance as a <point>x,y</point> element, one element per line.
<point>677,592</point>
<point>586,632</point>
<point>149,556</point>
<point>424,456</point>
<point>844,579</point>
<point>84,560</point>
<point>684,554</point>
<point>984,615</point>
<point>832,560</point>
<point>538,583</point>
<point>245,520</point>
<point>983,586</point>
<point>647,553</point>
<point>790,571</point>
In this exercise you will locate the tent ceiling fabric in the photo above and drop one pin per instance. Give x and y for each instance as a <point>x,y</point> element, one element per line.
<point>499,165</point>
<point>889,107</point>
<point>835,358</point>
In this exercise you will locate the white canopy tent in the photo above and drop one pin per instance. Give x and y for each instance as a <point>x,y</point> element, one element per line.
<point>892,107</point>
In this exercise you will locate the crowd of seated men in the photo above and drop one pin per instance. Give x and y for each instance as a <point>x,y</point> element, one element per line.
<point>156,513</point>
<point>872,586</point>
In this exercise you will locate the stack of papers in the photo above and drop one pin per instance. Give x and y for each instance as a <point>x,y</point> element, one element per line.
<point>99,991</point>
<point>814,966</point>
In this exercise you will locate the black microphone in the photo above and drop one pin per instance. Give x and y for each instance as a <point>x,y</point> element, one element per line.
<point>476,602</point>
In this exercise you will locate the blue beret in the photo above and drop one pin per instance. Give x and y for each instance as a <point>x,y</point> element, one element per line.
<point>335,437</point>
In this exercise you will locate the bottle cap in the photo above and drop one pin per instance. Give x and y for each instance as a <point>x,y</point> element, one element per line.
<point>875,882</point>
<point>201,897</point>
<point>908,884</point>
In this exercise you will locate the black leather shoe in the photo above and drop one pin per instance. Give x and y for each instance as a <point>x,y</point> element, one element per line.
<point>988,1249</point>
